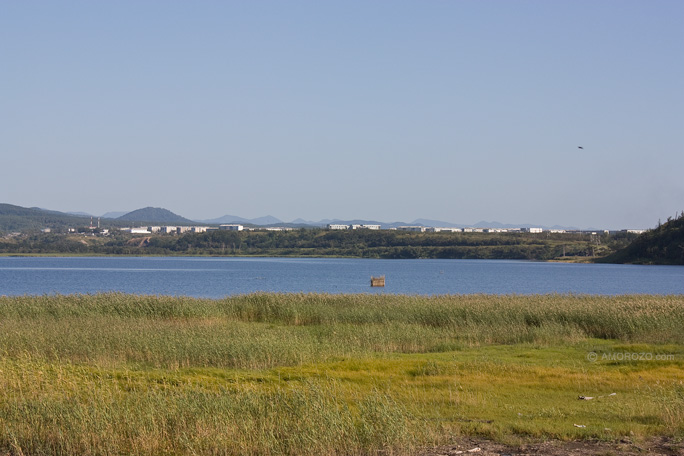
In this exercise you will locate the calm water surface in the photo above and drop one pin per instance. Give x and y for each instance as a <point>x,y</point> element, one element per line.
<point>219,277</point>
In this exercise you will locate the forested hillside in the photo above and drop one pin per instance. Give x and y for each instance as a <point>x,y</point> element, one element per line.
<point>662,245</point>
<point>17,218</point>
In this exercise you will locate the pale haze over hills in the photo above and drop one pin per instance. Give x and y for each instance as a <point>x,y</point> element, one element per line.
<point>164,215</point>
<point>552,113</point>
<point>13,217</point>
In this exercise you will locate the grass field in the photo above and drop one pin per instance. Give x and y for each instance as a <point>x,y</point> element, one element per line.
<point>334,374</point>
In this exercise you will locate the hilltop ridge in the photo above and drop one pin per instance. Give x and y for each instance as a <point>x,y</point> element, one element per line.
<point>17,218</point>
<point>156,215</point>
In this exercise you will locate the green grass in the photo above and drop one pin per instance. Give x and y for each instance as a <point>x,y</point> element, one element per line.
<point>333,374</point>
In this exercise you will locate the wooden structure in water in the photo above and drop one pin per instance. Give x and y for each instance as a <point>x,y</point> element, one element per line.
<point>378,281</point>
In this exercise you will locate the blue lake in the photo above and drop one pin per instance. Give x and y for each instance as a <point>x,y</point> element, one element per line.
<point>219,277</point>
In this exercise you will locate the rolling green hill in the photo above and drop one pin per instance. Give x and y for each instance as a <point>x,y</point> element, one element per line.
<point>662,245</point>
<point>23,219</point>
<point>155,215</point>
<point>17,218</point>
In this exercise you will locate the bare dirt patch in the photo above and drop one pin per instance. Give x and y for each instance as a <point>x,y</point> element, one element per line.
<point>140,242</point>
<point>657,447</point>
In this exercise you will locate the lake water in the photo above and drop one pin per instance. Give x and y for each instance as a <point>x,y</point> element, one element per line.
<point>219,277</point>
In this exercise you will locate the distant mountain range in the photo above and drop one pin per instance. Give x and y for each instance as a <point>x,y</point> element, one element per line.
<point>267,220</point>
<point>113,215</point>
<point>16,218</point>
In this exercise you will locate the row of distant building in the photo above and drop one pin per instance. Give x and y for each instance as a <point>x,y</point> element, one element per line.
<point>196,229</point>
<point>432,229</point>
<point>174,229</point>
<point>332,226</point>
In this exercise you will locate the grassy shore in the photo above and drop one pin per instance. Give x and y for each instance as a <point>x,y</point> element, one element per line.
<point>334,374</point>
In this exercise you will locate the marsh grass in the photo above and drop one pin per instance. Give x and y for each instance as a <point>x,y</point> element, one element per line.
<point>331,374</point>
<point>86,414</point>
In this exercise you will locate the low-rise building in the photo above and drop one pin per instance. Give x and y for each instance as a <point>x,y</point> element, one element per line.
<point>335,226</point>
<point>420,229</point>
<point>136,230</point>
<point>231,227</point>
<point>364,227</point>
<point>438,229</point>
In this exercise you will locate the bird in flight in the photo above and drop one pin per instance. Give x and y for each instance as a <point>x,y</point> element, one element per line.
<point>580,147</point>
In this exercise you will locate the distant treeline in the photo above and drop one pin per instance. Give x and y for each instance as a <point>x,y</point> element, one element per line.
<point>317,242</point>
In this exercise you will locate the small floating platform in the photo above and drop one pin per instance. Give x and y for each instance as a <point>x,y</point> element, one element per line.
<point>378,281</point>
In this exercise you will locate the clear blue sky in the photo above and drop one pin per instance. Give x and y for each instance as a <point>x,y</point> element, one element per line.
<point>387,110</point>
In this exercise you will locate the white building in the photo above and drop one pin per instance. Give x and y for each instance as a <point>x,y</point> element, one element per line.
<point>333,226</point>
<point>136,230</point>
<point>168,229</point>
<point>533,230</point>
<point>420,229</point>
<point>364,227</point>
<point>232,227</point>
<point>438,229</point>
<point>198,229</point>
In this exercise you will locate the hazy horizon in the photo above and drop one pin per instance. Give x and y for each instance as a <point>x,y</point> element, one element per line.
<point>561,113</point>
<point>479,223</point>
